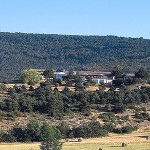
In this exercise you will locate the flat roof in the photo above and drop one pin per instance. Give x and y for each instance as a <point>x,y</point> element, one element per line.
<point>93,73</point>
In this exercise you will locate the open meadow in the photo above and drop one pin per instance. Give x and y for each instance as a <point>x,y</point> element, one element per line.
<point>135,141</point>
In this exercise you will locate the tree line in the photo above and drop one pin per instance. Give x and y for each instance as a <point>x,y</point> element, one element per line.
<point>36,132</point>
<point>20,51</point>
<point>49,136</point>
<point>57,104</point>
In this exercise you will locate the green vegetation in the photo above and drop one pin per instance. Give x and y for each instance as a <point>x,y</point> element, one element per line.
<point>50,137</point>
<point>142,73</point>
<point>21,51</point>
<point>48,74</point>
<point>57,104</point>
<point>93,129</point>
<point>2,88</point>
<point>126,129</point>
<point>30,76</point>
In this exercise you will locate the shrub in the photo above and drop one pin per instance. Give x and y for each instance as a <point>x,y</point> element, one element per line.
<point>108,117</point>
<point>7,137</point>
<point>93,129</point>
<point>125,129</point>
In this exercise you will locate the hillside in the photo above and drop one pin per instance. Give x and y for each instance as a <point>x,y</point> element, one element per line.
<point>81,112</point>
<point>20,50</point>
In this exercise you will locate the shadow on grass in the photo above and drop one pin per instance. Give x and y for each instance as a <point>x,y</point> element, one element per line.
<point>74,141</point>
<point>116,146</point>
<point>143,137</point>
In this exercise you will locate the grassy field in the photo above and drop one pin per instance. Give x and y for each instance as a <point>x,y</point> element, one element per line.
<point>35,146</point>
<point>136,141</point>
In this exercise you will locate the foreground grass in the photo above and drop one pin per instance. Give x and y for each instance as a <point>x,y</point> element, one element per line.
<point>108,147</point>
<point>35,146</point>
<point>113,142</point>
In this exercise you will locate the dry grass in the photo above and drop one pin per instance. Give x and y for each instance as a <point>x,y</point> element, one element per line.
<point>78,146</point>
<point>92,88</point>
<point>19,146</point>
<point>140,146</point>
<point>72,88</point>
<point>136,141</point>
<point>61,88</point>
<point>107,147</point>
<point>135,86</point>
<point>146,85</point>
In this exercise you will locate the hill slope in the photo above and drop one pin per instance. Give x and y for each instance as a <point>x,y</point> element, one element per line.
<point>19,51</point>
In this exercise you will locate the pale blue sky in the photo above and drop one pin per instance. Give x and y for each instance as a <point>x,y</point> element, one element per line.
<point>129,18</point>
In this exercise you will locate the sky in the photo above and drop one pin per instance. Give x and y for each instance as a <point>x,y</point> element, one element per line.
<point>127,18</point>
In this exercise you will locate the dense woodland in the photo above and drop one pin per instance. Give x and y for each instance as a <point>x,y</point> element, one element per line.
<point>20,51</point>
<point>57,104</point>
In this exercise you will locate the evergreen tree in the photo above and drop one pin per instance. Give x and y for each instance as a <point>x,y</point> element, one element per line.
<point>50,137</point>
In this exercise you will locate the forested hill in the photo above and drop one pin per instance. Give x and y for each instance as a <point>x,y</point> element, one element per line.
<point>19,51</point>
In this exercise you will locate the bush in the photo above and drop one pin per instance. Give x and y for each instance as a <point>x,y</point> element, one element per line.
<point>142,115</point>
<point>7,137</point>
<point>125,129</point>
<point>64,129</point>
<point>109,127</point>
<point>93,129</point>
<point>118,108</point>
<point>108,117</point>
